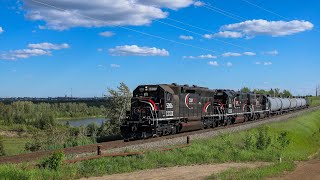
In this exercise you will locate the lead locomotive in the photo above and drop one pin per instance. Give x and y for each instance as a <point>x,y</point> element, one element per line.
<point>164,109</point>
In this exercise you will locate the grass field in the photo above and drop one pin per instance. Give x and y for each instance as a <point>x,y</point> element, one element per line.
<point>303,134</point>
<point>315,101</point>
<point>14,145</point>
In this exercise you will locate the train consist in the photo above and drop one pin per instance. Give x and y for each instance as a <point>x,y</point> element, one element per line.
<point>164,109</point>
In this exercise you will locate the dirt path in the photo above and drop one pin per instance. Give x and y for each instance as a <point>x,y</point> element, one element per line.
<point>182,172</point>
<point>309,170</point>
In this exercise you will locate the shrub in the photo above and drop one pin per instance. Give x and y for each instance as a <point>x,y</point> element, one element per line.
<point>283,139</point>
<point>249,142</point>
<point>2,152</point>
<point>263,138</point>
<point>92,129</point>
<point>53,162</point>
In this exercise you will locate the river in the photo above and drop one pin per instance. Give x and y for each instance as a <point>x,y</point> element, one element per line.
<point>84,122</point>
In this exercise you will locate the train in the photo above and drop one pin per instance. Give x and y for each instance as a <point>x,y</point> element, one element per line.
<point>167,109</point>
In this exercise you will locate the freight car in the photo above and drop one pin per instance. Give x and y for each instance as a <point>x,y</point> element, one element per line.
<point>164,109</point>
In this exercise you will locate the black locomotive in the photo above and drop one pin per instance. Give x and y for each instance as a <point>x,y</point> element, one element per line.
<point>158,110</point>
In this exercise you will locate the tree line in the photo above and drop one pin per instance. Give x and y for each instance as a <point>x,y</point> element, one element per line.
<point>42,114</point>
<point>272,92</point>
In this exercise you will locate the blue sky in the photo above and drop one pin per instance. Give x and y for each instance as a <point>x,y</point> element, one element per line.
<point>48,47</point>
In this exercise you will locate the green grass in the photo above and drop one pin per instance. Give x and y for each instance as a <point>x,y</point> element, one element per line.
<point>315,101</point>
<point>14,145</point>
<point>17,127</point>
<point>257,173</point>
<point>303,132</point>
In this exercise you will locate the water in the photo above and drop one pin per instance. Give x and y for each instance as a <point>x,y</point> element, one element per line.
<point>83,122</point>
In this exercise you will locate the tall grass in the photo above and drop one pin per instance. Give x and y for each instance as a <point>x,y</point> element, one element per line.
<point>303,133</point>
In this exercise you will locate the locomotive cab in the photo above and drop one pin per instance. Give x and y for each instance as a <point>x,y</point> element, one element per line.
<point>149,105</point>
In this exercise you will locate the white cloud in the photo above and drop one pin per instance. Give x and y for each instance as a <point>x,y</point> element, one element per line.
<point>100,49</point>
<point>134,50</point>
<point>23,54</point>
<point>172,4</point>
<point>106,34</point>
<point>39,49</point>
<point>213,63</point>
<point>199,3</point>
<point>273,53</point>
<point>115,65</point>
<point>97,13</point>
<point>249,53</point>
<point>224,34</point>
<point>48,46</point>
<point>229,64</point>
<point>253,28</point>
<point>186,37</point>
<point>208,56</point>
<point>264,63</point>
<point>231,54</point>
<point>1,30</point>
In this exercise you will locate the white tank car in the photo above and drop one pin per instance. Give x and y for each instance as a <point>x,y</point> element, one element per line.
<point>293,103</point>
<point>275,104</point>
<point>285,103</point>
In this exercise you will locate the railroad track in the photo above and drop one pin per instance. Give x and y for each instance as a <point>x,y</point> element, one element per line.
<point>176,139</point>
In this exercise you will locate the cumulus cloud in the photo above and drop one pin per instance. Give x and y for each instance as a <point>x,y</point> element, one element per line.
<point>106,34</point>
<point>224,34</point>
<point>1,30</point>
<point>229,64</point>
<point>97,13</point>
<point>40,49</point>
<point>49,46</point>
<point>213,63</point>
<point>273,53</point>
<point>23,54</point>
<point>199,3</point>
<point>208,56</point>
<point>114,65</point>
<point>249,53</point>
<point>231,54</point>
<point>99,49</point>
<point>134,50</point>
<point>186,37</point>
<point>253,28</point>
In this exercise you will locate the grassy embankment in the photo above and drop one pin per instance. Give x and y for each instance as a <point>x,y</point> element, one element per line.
<point>315,101</point>
<point>302,133</point>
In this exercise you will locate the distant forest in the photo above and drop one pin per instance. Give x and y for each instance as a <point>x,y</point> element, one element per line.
<point>24,112</point>
<point>272,92</point>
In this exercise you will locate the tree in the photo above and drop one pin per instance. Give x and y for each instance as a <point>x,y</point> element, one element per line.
<point>119,103</point>
<point>272,93</point>
<point>286,93</point>
<point>245,90</point>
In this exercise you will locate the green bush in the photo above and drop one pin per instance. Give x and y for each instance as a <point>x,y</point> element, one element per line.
<point>249,142</point>
<point>2,152</point>
<point>263,138</point>
<point>53,162</point>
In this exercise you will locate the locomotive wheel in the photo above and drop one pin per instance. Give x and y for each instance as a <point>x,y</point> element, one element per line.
<point>173,130</point>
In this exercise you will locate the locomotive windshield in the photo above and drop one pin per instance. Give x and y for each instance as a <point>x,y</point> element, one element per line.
<point>153,95</point>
